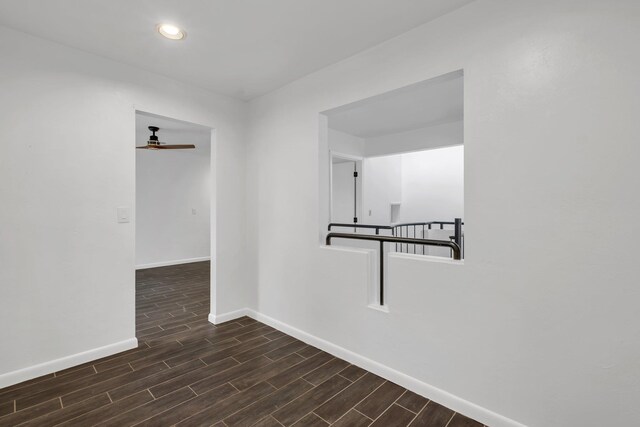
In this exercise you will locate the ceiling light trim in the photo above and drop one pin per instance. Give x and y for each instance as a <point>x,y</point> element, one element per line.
<point>171,32</point>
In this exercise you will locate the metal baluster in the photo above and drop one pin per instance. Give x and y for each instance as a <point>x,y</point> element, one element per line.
<point>381,273</point>
<point>414,236</point>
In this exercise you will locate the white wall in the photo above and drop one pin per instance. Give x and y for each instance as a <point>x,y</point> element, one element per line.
<point>429,185</point>
<point>539,324</point>
<point>415,140</point>
<point>170,185</point>
<point>67,124</point>
<point>432,185</point>
<point>382,182</point>
<point>345,143</point>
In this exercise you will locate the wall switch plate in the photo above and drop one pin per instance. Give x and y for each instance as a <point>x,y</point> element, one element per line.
<point>123,214</point>
<point>193,211</point>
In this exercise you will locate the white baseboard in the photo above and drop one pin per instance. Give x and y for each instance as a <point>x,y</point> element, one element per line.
<point>225,317</point>
<point>15,377</point>
<point>449,400</point>
<point>174,262</point>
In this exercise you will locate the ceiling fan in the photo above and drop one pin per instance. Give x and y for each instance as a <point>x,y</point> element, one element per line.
<point>154,144</point>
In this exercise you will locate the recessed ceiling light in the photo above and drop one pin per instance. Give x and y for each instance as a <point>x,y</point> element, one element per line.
<point>171,32</point>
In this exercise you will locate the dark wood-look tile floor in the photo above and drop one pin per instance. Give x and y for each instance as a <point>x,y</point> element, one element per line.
<point>188,372</point>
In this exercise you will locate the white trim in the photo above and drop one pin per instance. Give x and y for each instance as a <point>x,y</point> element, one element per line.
<point>56,365</point>
<point>345,156</point>
<point>174,262</point>
<point>447,399</point>
<point>225,317</point>
<point>357,160</point>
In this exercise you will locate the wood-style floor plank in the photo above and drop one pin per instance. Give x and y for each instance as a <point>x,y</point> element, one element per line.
<point>191,406</point>
<point>107,412</point>
<point>375,404</point>
<point>311,420</point>
<point>218,412</point>
<point>460,420</point>
<point>433,415</point>
<point>353,418</point>
<point>70,412</point>
<point>395,416</point>
<point>260,409</point>
<point>412,401</point>
<point>340,404</point>
<point>6,407</point>
<point>309,401</point>
<point>189,372</point>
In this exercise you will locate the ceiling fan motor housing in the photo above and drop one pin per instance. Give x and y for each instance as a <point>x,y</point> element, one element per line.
<point>153,139</point>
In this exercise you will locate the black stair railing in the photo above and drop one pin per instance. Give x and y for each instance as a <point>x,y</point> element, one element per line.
<point>362,226</point>
<point>415,229</point>
<point>455,249</point>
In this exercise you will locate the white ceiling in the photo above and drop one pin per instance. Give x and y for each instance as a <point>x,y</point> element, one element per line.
<point>242,48</point>
<point>428,103</point>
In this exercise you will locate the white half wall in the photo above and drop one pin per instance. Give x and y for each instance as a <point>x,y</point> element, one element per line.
<point>173,199</point>
<point>526,328</point>
<point>67,267</point>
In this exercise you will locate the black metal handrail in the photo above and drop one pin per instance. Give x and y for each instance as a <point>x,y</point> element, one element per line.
<point>440,223</point>
<point>377,227</point>
<point>402,230</point>
<point>455,249</point>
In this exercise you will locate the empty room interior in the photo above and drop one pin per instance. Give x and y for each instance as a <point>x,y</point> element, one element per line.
<point>319,213</point>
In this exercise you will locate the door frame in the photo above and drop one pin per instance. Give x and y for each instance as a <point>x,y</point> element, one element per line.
<point>213,194</point>
<point>359,160</point>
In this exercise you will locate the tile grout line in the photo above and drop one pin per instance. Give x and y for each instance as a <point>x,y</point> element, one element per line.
<point>448,422</point>
<point>345,378</point>
<point>419,412</point>
<point>416,414</point>
<point>314,413</point>
<point>323,402</point>
<point>359,401</point>
<point>368,417</point>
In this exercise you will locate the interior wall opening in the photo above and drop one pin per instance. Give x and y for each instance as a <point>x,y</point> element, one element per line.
<point>173,219</point>
<point>405,151</point>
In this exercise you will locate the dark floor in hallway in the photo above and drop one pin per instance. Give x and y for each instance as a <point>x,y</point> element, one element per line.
<point>189,372</point>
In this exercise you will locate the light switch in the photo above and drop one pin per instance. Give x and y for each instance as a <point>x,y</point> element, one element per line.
<point>193,211</point>
<point>123,214</point>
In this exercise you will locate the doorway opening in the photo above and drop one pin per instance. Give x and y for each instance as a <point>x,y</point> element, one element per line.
<point>173,226</point>
<point>346,188</point>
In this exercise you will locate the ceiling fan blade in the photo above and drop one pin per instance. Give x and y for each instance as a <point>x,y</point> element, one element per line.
<point>155,144</point>
<point>175,146</point>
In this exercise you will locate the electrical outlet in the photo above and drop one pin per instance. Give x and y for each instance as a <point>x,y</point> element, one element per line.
<point>193,211</point>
